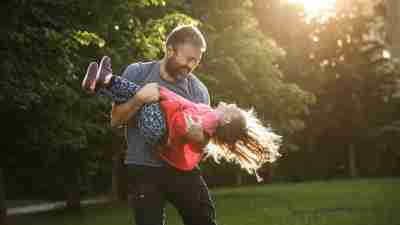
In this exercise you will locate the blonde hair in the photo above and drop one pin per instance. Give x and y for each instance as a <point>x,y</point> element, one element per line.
<point>256,146</point>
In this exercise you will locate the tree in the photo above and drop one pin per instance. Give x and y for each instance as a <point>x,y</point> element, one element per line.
<point>342,62</point>
<point>50,121</point>
<point>240,66</point>
<point>392,8</point>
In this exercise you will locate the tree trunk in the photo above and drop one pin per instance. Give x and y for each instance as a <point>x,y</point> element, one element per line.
<point>119,178</point>
<point>197,11</point>
<point>114,178</point>
<point>392,26</point>
<point>3,208</point>
<point>352,162</point>
<point>239,179</point>
<point>73,197</point>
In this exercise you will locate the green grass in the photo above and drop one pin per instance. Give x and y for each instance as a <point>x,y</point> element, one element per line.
<point>341,202</point>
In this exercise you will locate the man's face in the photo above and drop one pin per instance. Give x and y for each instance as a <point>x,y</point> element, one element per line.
<point>182,60</point>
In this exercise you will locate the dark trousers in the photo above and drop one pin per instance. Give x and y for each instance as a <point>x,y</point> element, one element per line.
<point>151,187</point>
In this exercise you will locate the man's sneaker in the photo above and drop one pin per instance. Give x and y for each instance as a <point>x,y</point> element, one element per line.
<point>104,73</point>
<point>89,82</point>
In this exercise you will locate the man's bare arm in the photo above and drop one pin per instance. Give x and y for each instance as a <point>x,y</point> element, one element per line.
<point>120,114</point>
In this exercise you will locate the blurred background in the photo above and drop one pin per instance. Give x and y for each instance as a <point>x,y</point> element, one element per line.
<point>323,74</point>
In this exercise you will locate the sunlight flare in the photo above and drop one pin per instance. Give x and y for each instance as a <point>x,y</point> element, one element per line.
<point>315,7</point>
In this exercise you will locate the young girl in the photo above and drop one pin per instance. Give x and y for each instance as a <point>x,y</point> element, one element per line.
<point>187,129</point>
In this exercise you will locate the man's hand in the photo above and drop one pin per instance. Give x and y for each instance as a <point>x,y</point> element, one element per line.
<point>148,93</point>
<point>120,114</point>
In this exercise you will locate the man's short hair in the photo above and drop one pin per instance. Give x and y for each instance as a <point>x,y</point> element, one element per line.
<point>186,34</point>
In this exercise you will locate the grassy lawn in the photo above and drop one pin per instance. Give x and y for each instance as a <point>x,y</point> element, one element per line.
<point>359,202</point>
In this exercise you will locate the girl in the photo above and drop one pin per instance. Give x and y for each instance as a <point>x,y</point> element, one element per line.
<point>184,130</point>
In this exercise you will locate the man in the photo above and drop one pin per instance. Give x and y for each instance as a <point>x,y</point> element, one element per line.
<point>152,181</point>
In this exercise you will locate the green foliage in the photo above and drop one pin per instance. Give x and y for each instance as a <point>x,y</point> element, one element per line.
<point>341,62</point>
<point>241,57</point>
<point>52,124</point>
<point>85,38</point>
<point>52,127</point>
<point>240,66</point>
<point>150,40</point>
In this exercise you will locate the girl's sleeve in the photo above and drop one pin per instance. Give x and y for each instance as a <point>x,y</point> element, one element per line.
<point>177,129</point>
<point>167,94</point>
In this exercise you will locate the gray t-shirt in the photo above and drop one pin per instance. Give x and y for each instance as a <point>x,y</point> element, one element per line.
<point>138,152</point>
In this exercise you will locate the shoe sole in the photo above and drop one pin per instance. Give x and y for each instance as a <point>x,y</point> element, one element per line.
<point>90,78</point>
<point>102,62</point>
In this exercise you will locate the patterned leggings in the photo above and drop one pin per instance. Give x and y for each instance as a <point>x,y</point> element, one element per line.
<point>150,119</point>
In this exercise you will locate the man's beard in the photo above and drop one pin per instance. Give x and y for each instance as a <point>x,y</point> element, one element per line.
<point>175,70</point>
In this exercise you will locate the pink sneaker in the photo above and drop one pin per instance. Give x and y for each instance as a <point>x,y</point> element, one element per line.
<point>89,82</point>
<point>104,72</point>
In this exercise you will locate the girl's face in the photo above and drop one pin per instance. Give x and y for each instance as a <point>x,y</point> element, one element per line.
<point>232,123</point>
<point>228,112</point>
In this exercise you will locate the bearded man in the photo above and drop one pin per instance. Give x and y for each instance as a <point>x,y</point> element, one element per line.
<point>152,182</point>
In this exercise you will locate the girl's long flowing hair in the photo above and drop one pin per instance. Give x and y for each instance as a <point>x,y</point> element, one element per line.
<point>254,146</point>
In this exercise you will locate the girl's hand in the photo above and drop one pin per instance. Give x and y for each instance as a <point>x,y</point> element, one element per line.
<point>194,130</point>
